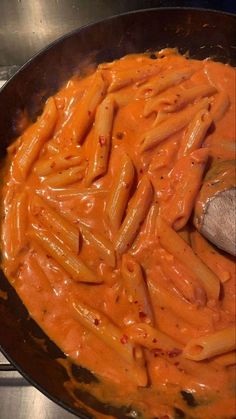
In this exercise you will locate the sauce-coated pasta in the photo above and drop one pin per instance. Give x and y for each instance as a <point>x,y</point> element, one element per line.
<point>98,240</point>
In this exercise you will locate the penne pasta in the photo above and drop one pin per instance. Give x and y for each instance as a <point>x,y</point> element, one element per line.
<point>102,245</point>
<point>219,106</point>
<point>181,278</point>
<point>57,224</point>
<point>175,245</point>
<point>63,256</point>
<point>175,101</point>
<point>16,218</point>
<point>61,161</point>
<point>136,288</point>
<point>185,182</point>
<point>196,133</point>
<point>76,192</point>
<point>190,313</point>
<point>65,177</point>
<point>173,124</point>
<point>145,335</point>
<point>164,82</point>
<point>109,333</point>
<point>136,213</point>
<point>120,190</point>
<point>218,263</point>
<point>211,345</point>
<point>101,140</point>
<point>79,121</point>
<point>33,139</point>
<point>226,360</point>
<point>123,78</point>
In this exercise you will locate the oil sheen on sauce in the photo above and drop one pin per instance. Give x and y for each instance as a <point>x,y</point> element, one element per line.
<point>177,387</point>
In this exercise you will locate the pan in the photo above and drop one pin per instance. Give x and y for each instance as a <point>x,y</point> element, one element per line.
<point>201,33</point>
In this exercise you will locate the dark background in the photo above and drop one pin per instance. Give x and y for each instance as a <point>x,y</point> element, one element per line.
<point>26,26</point>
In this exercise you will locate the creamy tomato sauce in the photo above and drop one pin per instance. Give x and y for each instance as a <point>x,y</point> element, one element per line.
<point>160,382</point>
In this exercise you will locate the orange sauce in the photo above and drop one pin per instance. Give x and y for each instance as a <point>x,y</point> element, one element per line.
<point>177,386</point>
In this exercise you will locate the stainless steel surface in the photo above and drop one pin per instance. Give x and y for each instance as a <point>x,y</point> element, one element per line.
<point>20,400</point>
<point>26,26</point>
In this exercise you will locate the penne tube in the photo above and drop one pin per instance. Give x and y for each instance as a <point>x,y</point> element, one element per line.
<point>14,229</point>
<point>120,190</point>
<point>211,345</point>
<point>176,246</point>
<point>62,161</point>
<point>219,263</point>
<point>220,106</point>
<point>100,149</point>
<point>102,245</point>
<point>148,233</point>
<point>77,125</point>
<point>196,133</point>
<point>53,147</point>
<point>191,314</point>
<point>74,266</point>
<point>175,101</point>
<point>123,78</point>
<point>57,224</point>
<point>20,220</point>
<point>136,288</point>
<point>226,360</point>
<point>173,124</point>
<point>97,323</point>
<point>184,233</point>
<point>13,147</point>
<point>181,278</point>
<point>151,338</point>
<point>185,182</point>
<point>136,213</point>
<point>122,97</point>
<point>65,177</point>
<point>164,81</point>
<point>74,192</point>
<point>33,139</point>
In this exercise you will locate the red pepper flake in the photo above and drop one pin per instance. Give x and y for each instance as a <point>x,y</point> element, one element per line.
<point>124,339</point>
<point>96,322</point>
<point>154,340</point>
<point>156,352</point>
<point>174,352</point>
<point>102,140</point>
<point>89,113</point>
<point>142,315</point>
<point>119,135</point>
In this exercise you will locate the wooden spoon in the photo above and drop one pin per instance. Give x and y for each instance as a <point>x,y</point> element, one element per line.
<point>215,210</point>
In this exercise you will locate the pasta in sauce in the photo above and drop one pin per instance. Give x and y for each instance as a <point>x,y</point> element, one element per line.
<point>98,239</point>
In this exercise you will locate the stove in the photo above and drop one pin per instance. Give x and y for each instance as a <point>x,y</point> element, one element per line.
<point>20,400</point>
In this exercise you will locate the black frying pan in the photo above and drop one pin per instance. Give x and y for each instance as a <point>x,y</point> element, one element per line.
<point>203,34</point>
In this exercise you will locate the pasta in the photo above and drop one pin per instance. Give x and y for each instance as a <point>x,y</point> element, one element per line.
<point>211,345</point>
<point>101,147</point>
<point>99,240</point>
